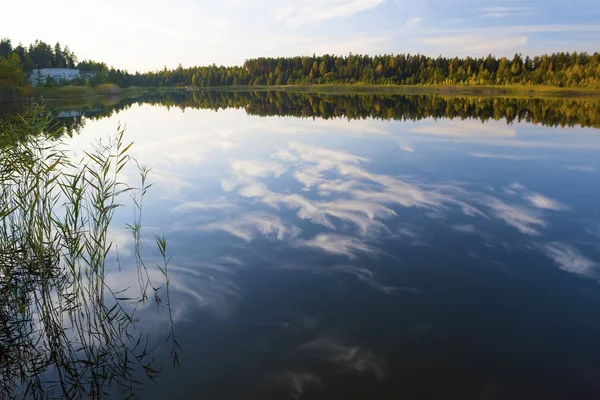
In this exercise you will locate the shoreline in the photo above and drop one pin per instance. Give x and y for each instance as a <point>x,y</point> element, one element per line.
<point>531,91</point>
<point>503,91</point>
<point>21,94</point>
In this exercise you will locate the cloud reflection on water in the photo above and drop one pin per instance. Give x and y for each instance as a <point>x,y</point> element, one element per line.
<point>338,192</point>
<point>569,259</point>
<point>349,359</point>
<point>249,226</point>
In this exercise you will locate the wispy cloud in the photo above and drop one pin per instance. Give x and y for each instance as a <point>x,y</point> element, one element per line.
<point>257,169</point>
<point>122,241</point>
<point>465,228</point>
<point>362,199</point>
<point>171,182</point>
<point>413,22</point>
<point>245,171</point>
<point>326,158</point>
<point>198,205</point>
<point>499,12</point>
<point>537,200</point>
<point>525,220</point>
<point>467,128</point>
<point>541,201</point>
<point>338,245</point>
<point>583,168</point>
<point>306,11</point>
<point>284,155</point>
<point>504,156</point>
<point>364,275</point>
<point>209,286</point>
<point>296,383</point>
<point>367,276</point>
<point>249,226</point>
<point>350,359</point>
<point>569,259</point>
<point>475,44</point>
<point>406,147</point>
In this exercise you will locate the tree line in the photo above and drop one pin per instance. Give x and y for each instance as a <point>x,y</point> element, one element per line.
<point>17,61</point>
<point>580,70</point>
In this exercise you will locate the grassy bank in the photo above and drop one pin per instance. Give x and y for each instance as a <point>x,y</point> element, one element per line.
<point>83,92</point>
<point>74,92</point>
<point>483,90</point>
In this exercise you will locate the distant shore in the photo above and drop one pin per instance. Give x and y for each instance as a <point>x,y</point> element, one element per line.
<point>518,91</point>
<point>465,90</point>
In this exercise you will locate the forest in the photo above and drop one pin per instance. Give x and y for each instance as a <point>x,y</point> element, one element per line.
<point>575,70</point>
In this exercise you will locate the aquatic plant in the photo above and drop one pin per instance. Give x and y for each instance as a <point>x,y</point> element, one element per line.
<point>64,332</point>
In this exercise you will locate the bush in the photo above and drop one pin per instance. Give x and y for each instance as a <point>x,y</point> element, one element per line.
<point>108,89</point>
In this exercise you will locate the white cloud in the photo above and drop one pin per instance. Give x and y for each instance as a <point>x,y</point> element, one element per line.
<point>209,286</point>
<point>338,245</point>
<point>503,156</point>
<point>296,383</point>
<point>504,9</point>
<point>367,276</point>
<point>413,22</point>
<point>249,226</point>
<point>406,147</point>
<point>570,259</point>
<point>499,12</point>
<point>324,157</point>
<point>535,199</point>
<point>466,129</point>
<point>465,228</point>
<point>524,219</point>
<point>245,171</point>
<point>583,168</point>
<point>284,155</point>
<point>350,359</point>
<point>362,198</point>
<point>122,241</point>
<point>171,182</point>
<point>198,205</point>
<point>303,12</point>
<point>257,169</point>
<point>541,201</point>
<point>475,44</point>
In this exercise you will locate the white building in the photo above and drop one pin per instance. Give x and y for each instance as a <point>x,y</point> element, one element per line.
<point>38,76</point>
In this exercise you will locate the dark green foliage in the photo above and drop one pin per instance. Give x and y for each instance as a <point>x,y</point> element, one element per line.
<point>562,70</point>
<point>39,55</point>
<point>577,70</point>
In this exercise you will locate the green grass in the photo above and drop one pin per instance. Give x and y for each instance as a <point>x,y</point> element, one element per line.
<point>73,92</point>
<point>448,90</point>
<point>462,90</point>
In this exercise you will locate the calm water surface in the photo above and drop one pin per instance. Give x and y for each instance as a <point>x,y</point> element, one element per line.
<point>371,259</point>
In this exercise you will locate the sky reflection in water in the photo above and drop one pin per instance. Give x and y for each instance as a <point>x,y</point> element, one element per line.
<point>337,259</point>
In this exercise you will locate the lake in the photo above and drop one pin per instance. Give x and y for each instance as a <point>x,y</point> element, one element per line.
<point>352,247</point>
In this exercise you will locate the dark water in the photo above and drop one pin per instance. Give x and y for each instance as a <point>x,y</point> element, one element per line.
<point>413,257</point>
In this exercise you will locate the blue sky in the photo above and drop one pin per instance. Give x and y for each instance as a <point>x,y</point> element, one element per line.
<point>147,35</point>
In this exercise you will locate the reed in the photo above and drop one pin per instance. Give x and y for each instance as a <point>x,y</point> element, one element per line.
<point>64,332</point>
